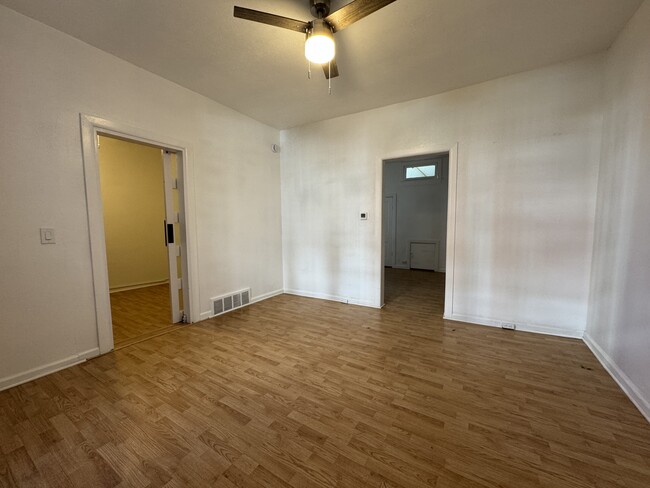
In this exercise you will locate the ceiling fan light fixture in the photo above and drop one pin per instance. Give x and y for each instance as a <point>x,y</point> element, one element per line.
<point>319,46</point>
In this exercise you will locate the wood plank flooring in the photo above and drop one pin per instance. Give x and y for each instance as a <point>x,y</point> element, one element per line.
<point>140,314</point>
<point>300,392</point>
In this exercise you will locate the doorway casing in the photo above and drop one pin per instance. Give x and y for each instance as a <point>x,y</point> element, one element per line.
<point>452,149</point>
<point>391,220</point>
<point>91,127</point>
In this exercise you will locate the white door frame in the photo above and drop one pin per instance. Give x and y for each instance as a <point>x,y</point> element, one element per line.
<point>393,237</point>
<point>452,201</point>
<point>91,127</point>
<point>175,246</point>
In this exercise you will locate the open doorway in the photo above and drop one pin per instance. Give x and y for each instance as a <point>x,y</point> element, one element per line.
<point>141,215</point>
<point>414,228</point>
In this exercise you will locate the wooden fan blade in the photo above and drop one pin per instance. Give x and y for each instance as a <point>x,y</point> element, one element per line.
<point>330,69</point>
<point>353,11</point>
<point>271,19</point>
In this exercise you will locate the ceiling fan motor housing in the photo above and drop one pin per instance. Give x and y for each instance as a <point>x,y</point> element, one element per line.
<point>319,8</point>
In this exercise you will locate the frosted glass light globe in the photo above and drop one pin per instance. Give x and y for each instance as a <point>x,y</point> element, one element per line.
<point>319,46</point>
<point>320,49</point>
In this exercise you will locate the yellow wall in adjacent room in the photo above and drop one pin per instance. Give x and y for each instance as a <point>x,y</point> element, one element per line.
<point>131,177</point>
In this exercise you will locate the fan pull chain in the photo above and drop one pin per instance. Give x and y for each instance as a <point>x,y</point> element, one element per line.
<point>309,70</point>
<point>329,77</point>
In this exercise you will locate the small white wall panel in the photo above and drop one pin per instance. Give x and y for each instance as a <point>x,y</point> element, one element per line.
<point>424,255</point>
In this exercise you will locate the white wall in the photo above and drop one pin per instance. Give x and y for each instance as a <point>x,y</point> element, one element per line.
<point>528,154</point>
<point>421,210</point>
<point>619,313</point>
<point>46,291</point>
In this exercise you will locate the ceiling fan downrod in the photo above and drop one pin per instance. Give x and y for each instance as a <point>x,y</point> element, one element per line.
<point>319,8</point>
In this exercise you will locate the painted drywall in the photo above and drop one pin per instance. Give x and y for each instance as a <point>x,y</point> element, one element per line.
<point>46,291</point>
<point>528,152</point>
<point>133,198</point>
<point>619,312</point>
<point>421,210</point>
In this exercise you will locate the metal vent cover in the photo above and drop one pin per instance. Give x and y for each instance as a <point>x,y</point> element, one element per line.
<point>217,306</point>
<point>231,301</point>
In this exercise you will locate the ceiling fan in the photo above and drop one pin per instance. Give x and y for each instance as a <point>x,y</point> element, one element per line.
<point>319,43</point>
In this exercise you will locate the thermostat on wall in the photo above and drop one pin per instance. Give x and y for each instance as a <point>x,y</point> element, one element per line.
<point>364,215</point>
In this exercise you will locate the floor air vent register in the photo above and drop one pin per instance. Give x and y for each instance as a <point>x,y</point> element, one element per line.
<point>230,302</point>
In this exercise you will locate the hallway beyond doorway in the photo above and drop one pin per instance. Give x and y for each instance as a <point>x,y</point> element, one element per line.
<point>426,289</point>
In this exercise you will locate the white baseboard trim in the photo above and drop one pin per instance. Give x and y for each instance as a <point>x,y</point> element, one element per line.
<point>34,373</point>
<point>536,328</point>
<point>268,295</point>
<point>208,313</point>
<point>137,286</point>
<point>333,298</point>
<point>629,388</point>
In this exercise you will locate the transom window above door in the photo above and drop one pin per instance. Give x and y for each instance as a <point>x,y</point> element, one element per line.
<point>426,170</point>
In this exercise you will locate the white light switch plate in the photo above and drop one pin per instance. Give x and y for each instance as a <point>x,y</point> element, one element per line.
<point>48,236</point>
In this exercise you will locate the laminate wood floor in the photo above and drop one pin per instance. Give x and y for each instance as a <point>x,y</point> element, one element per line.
<point>140,314</point>
<point>307,393</point>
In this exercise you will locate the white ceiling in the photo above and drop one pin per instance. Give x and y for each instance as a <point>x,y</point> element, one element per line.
<point>407,50</point>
